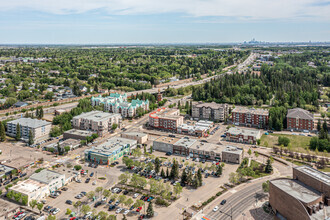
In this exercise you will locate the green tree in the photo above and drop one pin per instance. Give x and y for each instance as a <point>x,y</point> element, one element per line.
<point>77,205</point>
<point>265,186</point>
<point>150,210</point>
<point>269,167</point>
<point>199,178</point>
<point>106,193</point>
<point>68,212</point>
<point>102,215</point>
<point>31,138</point>
<point>90,195</point>
<point>129,202</point>
<point>162,173</point>
<point>114,126</point>
<point>18,132</point>
<point>177,189</point>
<point>157,165</point>
<point>99,190</point>
<point>25,200</point>
<point>219,170</point>
<point>85,209</point>
<point>249,152</point>
<point>33,203</point>
<point>77,167</point>
<point>40,206</point>
<point>2,132</point>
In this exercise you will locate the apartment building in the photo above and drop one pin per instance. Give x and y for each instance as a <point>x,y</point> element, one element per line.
<point>117,103</point>
<point>96,121</point>
<point>167,119</point>
<point>39,128</point>
<point>110,150</point>
<point>240,135</point>
<point>300,119</point>
<point>305,196</point>
<point>210,111</point>
<point>250,117</point>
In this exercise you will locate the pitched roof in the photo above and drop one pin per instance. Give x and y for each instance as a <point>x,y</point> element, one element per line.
<point>299,113</point>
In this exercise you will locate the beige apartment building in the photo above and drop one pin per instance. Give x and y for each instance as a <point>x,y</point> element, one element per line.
<point>39,128</point>
<point>210,111</point>
<point>96,121</point>
<point>166,119</point>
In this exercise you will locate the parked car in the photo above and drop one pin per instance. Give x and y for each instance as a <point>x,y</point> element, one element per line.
<point>125,192</point>
<point>57,210</point>
<point>136,195</point>
<point>69,202</point>
<point>112,207</point>
<point>64,189</point>
<point>118,210</point>
<point>97,204</point>
<point>223,202</point>
<point>216,208</point>
<point>139,209</point>
<point>87,180</point>
<point>92,174</point>
<point>126,212</point>
<point>168,153</point>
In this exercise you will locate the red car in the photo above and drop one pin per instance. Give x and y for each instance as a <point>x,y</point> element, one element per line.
<point>17,214</point>
<point>73,218</point>
<point>146,198</point>
<point>139,209</point>
<point>82,171</point>
<point>217,163</point>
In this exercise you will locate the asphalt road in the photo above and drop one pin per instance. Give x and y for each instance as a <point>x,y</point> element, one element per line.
<point>237,203</point>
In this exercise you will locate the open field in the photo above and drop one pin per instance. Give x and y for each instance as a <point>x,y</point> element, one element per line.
<point>298,143</point>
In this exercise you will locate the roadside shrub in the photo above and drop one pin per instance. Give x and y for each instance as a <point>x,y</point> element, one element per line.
<point>283,141</point>
<point>162,202</point>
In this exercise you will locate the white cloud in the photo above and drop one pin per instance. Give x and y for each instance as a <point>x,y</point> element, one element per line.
<point>312,10</point>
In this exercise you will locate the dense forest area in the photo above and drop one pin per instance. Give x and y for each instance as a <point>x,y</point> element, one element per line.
<point>127,69</point>
<point>289,83</point>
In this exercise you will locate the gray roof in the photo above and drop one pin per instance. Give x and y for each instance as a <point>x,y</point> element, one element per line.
<point>314,173</point>
<point>135,134</point>
<point>45,176</point>
<point>297,189</point>
<point>4,170</point>
<point>29,122</point>
<point>97,116</point>
<point>299,113</point>
<point>212,105</point>
<point>185,142</point>
<point>233,150</point>
<point>111,145</point>
<point>245,131</point>
<point>246,110</point>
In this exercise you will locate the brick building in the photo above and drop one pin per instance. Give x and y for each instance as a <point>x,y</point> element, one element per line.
<point>167,119</point>
<point>300,119</point>
<point>240,135</point>
<point>210,111</point>
<point>250,117</point>
<point>304,197</point>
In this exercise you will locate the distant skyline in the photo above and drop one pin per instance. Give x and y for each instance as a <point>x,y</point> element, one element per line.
<point>155,21</point>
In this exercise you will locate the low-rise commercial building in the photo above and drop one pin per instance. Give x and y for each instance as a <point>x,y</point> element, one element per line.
<point>40,185</point>
<point>210,111</point>
<point>300,119</point>
<point>5,171</point>
<point>164,143</point>
<point>77,134</point>
<point>307,195</point>
<point>206,151</point>
<point>250,117</point>
<point>166,119</point>
<point>110,151</point>
<point>232,154</point>
<point>71,144</point>
<point>193,130</point>
<point>39,128</point>
<point>96,121</point>
<point>240,135</point>
<point>182,146</point>
<point>141,138</point>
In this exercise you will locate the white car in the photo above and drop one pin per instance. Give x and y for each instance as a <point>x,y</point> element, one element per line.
<point>57,210</point>
<point>126,212</point>
<point>94,183</point>
<point>136,195</point>
<point>118,210</point>
<point>104,199</point>
<point>188,158</point>
<point>216,208</point>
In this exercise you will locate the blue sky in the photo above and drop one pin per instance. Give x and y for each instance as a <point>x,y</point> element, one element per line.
<point>156,21</point>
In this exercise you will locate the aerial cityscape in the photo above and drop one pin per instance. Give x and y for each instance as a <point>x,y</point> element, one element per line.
<point>165,110</point>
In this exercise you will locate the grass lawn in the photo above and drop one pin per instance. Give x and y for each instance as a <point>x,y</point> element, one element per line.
<point>298,143</point>
<point>327,169</point>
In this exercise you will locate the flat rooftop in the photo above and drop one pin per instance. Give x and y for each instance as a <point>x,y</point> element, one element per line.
<point>111,145</point>
<point>96,116</point>
<point>79,132</point>
<point>167,140</point>
<point>208,147</point>
<point>314,173</point>
<point>243,131</point>
<point>45,176</point>
<point>29,122</point>
<point>233,150</point>
<point>297,189</point>
<point>166,113</point>
<point>27,186</point>
<point>256,111</point>
<point>135,134</point>
<point>212,105</point>
<point>6,206</point>
<point>185,142</point>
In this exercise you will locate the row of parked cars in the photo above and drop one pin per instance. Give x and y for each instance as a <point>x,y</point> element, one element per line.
<point>13,179</point>
<point>51,210</point>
